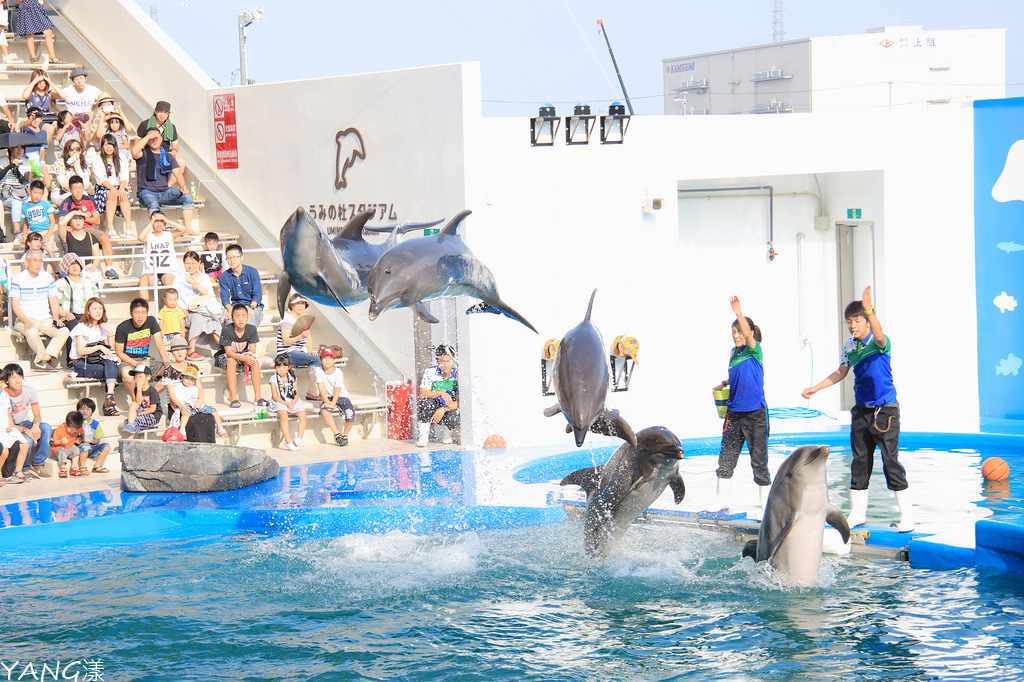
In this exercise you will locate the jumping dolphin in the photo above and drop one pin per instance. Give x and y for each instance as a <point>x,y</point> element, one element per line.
<point>330,268</point>
<point>431,267</point>
<point>620,490</point>
<point>581,376</point>
<point>795,516</point>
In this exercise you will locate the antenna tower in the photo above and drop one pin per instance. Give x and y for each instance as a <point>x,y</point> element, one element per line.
<point>778,22</point>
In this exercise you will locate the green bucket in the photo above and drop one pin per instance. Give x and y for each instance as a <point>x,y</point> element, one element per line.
<point>721,398</point>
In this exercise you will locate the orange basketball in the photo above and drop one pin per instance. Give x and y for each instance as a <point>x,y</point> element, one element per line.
<point>494,442</point>
<point>995,469</point>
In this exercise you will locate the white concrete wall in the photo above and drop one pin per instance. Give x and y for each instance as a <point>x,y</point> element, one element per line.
<point>554,223</point>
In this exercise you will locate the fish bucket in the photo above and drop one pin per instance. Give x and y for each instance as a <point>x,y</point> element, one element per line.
<point>721,398</point>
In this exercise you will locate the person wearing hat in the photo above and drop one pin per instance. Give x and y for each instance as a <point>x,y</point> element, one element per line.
<point>144,411</point>
<point>79,99</point>
<point>189,395</point>
<point>159,176</point>
<point>112,121</point>
<point>161,121</point>
<point>296,343</point>
<point>330,382</point>
<point>168,378</point>
<point>73,291</point>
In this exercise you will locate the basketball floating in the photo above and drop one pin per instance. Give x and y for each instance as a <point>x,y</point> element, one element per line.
<point>995,469</point>
<point>494,442</point>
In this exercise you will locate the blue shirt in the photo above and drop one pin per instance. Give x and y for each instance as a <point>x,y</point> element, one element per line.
<point>244,288</point>
<point>746,379</point>
<point>37,215</point>
<point>872,370</point>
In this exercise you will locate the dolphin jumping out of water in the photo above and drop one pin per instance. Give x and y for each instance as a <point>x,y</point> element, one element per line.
<point>431,267</point>
<point>620,490</point>
<point>330,269</point>
<point>581,377</point>
<point>795,516</point>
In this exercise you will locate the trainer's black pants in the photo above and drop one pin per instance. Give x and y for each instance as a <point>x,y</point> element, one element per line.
<point>749,427</point>
<point>870,427</point>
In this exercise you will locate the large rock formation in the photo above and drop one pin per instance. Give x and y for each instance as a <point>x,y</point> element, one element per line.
<point>157,467</point>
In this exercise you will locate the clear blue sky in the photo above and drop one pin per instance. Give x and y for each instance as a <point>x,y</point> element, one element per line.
<point>535,51</point>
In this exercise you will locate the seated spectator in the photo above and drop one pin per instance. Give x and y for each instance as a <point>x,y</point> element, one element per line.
<point>111,121</point>
<point>33,127</point>
<point>144,411</point>
<point>439,396</point>
<point>92,432</point>
<point>65,129</point>
<point>295,343</point>
<point>160,122</point>
<point>71,163</point>
<point>81,203</point>
<point>189,395</point>
<point>195,290</point>
<point>32,19</point>
<point>241,284</point>
<point>211,257</point>
<point>36,312</point>
<point>330,382</point>
<point>285,400</point>
<point>65,443</point>
<point>41,93</point>
<point>135,341</point>
<point>14,185</point>
<point>73,291</point>
<point>9,57</point>
<point>14,442</point>
<point>159,176</point>
<point>169,376</point>
<point>91,353</point>
<point>172,316</point>
<point>110,177</point>
<point>38,214</point>
<point>238,345</point>
<point>25,410</point>
<point>79,99</point>
<point>160,264</point>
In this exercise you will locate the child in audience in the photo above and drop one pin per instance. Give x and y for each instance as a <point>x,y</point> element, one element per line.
<point>211,258</point>
<point>65,444</point>
<point>331,383</point>
<point>144,411</point>
<point>161,263</point>
<point>189,394</point>
<point>38,216</point>
<point>12,438</point>
<point>91,434</point>
<point>286,400</point>
<point>172,316</point>
<point>169,377</point>
<point>238,345</point>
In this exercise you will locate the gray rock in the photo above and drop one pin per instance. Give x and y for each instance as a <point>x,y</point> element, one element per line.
<point>157,467</point>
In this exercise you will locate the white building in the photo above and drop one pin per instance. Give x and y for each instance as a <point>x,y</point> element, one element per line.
<point>894,67</point>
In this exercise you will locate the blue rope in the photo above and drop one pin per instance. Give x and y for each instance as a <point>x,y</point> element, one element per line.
<point>796,413</point>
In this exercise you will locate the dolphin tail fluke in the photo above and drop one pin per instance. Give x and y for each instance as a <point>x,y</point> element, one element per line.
<point>553,410</point>
<point>835,518</point>
<point>750,549</point>
<point>587,478</point>
<point>420,309</point>
<point>500,309</point>
<point>611,423</point>
<point>283,289</point>
<point>590,307</point>
<point>678,488</point>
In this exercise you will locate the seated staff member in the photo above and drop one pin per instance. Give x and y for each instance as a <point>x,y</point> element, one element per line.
<point>439,396</point>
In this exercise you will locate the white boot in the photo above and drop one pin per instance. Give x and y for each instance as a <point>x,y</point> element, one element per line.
<point>858,508</point>
<point>722,495</point>
<point>762,496</point>
<point>906,504</point>
<point>424,435</point>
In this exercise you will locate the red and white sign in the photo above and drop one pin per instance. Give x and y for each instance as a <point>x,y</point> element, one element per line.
<point>225,134</point>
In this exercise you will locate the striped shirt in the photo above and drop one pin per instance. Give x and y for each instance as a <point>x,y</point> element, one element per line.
<point>287,322</point>
<point>33,293</point>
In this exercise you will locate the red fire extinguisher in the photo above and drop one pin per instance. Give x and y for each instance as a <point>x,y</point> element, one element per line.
<point>399,411</point>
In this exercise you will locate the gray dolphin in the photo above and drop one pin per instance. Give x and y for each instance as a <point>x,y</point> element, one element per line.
<point>620,490</point>
<point>795,516</point>
<point>331,269</point>
<point>431,267</point>
<point>581,376</point>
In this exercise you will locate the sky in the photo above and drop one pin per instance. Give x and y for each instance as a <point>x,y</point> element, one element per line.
<point>537,51</point>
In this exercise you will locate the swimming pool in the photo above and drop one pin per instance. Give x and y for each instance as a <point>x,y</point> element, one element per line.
<point>454,567</point>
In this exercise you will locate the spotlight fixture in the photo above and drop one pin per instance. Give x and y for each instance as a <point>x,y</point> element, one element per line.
<point>579,126</point>
<point>544,127</point>
<point>614,124</point>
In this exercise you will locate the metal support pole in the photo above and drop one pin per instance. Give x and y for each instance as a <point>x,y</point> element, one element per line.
<point>615,64</point>
<point>243,71</point>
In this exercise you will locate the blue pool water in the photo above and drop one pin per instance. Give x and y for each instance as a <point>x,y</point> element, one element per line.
<point>455,568</point>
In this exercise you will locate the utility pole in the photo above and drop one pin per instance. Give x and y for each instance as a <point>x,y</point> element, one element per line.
<point>615,64</point>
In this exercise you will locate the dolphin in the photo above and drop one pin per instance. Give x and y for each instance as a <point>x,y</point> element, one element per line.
<point>331,269</point>
<point>1010,246</point>
<point>619,491</point>
<point>431,267</point>
<point>581,376</point>
<point>795,516</point>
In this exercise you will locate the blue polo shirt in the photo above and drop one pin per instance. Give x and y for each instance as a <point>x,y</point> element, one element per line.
<point>243,288</point>
<point>872,371</point>
<point>746,379</point>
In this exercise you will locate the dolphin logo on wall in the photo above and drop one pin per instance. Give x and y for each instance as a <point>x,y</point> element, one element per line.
<point>350,149</point>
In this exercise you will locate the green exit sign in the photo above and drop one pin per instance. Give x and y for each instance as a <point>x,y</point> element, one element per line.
<point>429,231</point>
<point>853,214</point>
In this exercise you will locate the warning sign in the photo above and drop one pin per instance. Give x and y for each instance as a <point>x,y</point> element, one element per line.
<point>225,134</point>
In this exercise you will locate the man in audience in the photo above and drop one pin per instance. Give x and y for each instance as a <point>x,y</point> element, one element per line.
<point>159,176</point>
<point>134,342</point>
<point>81,202</point>
<point>79,99</point>
<point>25,404</point>
<point>161,122</point>
<point>35,309</point>
<point>241,284</point>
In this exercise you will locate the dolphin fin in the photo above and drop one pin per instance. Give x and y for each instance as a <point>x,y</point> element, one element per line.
<point>835,518</point>
<point>750,549</point>
<point>331,289</point>
<point>283,289</point>
<point>587,478</point>
<point>678,488</point>
<point>500,309</point>
<point>590,307</point>
<point>353,229</point>
<point>610,423</point>
<point>424,314</point>
<point>568,428</point>
<point>553,410</point>
<point>777,541</point>
<point>454,223</point>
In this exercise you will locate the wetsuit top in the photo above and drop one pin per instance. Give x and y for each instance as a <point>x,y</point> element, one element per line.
<point>872,371</point>
<point>746,379</point>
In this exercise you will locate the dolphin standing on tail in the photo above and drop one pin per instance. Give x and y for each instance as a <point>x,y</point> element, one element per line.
<point>619,491</point>
<point>431,267</point>
<point>794,519</point>
<point>330,269</point>
<point>581,377</point>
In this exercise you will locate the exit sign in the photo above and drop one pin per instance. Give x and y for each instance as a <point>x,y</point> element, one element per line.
<point>853,214</point>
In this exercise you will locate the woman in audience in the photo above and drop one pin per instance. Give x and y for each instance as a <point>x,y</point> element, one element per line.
<point>195,291</point>
<point>41,92</point>
<point>91,353</point>
<point>114,124</point>
<point>37,152</point>
<point>295,342</point>
<point>65,129</point>
<point>14,181</point>
<point>71,162</point>
<point>110,178</point>
<point>32,19</point>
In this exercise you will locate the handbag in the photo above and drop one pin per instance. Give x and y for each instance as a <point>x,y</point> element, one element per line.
<point>207,305</point>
